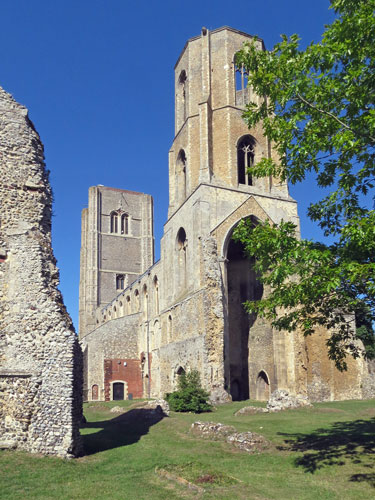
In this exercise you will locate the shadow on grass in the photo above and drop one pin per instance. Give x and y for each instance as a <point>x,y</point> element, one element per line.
<point>122,430</point>
<point>335,445</point>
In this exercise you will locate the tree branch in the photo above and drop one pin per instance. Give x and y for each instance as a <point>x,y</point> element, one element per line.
<point>336,118</point>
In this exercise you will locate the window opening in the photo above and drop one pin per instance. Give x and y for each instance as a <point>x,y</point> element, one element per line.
<point>242,90</point>
<point>245,159</point>
<point>114,222</point>
<point>156,290</point>
<point>138,304</point>
<point>181,239</point>
<point>181,257</point>
<point>120,281</point>
<point>125,224</point>
<point>169,328</point>
<point>241,77</point>
<point>145,299</point>
<point>182,94</point>
<point>181,175</point>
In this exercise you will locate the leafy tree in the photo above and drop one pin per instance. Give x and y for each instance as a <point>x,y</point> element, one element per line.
<point>319,115</point>
<point>190,396</point>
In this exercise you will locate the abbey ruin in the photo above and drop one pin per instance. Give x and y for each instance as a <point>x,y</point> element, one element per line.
<point>40,358</point>
<point>142,323</point>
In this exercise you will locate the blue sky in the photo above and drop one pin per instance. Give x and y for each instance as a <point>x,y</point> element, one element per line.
<point>97,78</point>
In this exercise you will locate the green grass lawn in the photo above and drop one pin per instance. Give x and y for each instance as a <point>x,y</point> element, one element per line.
<point>323,452</point>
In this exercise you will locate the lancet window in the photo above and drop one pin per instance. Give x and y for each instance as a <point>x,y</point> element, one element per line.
<point>181,175</point>
<point>124,224</point>
<point>242,90</point>
<point>119,223</point>
<point>181,96</point>
<point>114,222</point>
<point>156,294</point>
<point>245,159</point>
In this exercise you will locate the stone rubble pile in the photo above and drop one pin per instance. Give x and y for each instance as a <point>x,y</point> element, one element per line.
<point>282,400</point>
<point>118,409</point>
<point>215,431</point>
<point>250,410</point>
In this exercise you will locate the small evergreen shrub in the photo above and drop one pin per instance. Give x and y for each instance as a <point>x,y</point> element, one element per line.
<point>190,396</point>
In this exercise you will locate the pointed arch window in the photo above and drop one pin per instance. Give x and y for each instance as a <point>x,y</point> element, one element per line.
<point>169,328</point>
<point>114,222</point>
<point>241,78</point>
<point>137,301</point>
<point>181,246</point>
<point>156,294</point>
<point>181,175</point>
<point>124,224</point>
<point>245,159</point>
<point>145,296</point>
<point>181,96</point>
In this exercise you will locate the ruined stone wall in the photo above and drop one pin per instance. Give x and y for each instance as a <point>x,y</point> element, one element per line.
<point>368,380</point>
<point>325,382</point>
<point>40,359</point>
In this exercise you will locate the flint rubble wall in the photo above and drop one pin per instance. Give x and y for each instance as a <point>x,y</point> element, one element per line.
<point>40,358</point>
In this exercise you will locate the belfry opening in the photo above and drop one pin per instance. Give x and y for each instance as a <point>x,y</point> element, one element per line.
<point>242,286</point>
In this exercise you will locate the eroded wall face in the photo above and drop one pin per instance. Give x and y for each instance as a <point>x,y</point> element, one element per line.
<point>40,359</point>
<point>325,382</point>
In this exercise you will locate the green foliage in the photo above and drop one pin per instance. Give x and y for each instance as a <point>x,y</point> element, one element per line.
<point>366,335</point>
<point>190,396</point>
<point>320,116</point>
<point>365,331</point>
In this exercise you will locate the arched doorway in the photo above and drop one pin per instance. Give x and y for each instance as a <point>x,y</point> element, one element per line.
<point>242,286</point>
<point>262,386</point>
<point>118,391</point>
<point>95,392</point>
<point>180,371</point>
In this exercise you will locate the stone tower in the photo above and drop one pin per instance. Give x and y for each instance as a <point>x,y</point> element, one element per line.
<point>210,192</point>
<point>117,246</point>
<point>185,312</point>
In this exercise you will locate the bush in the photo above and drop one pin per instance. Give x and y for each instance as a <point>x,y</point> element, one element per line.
<point>190,396</point>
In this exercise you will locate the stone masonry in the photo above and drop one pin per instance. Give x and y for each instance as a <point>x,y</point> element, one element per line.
<point>117,223</point>
<point>186,311</point>
<point>40,358</point>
